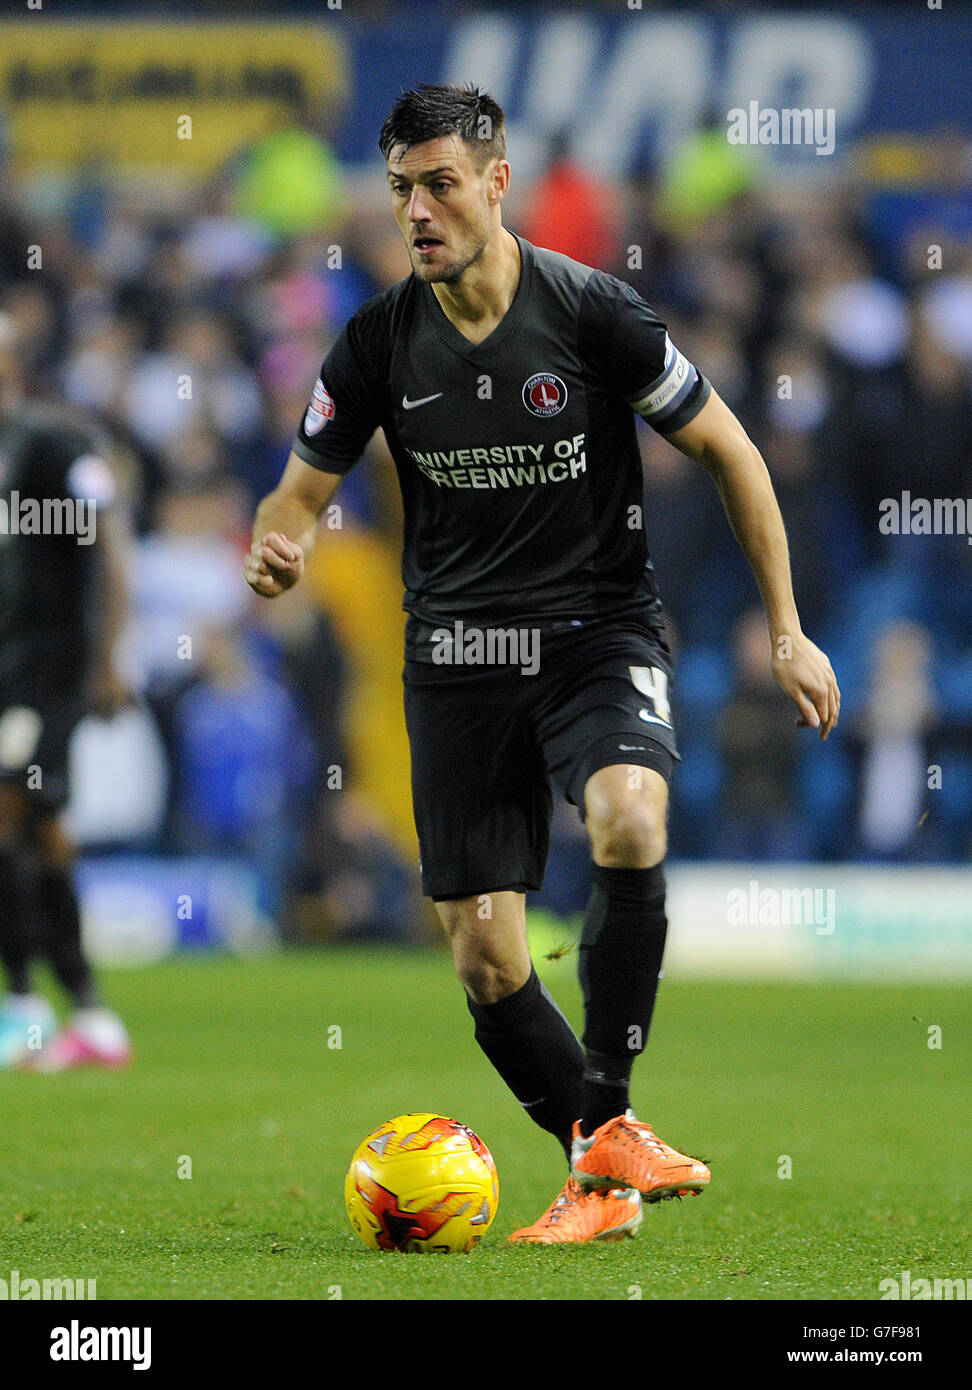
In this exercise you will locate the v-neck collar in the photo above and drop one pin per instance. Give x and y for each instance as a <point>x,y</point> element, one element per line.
<point>458,341</point>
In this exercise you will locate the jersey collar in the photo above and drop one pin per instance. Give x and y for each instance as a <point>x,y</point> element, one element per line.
<point>456,340</point>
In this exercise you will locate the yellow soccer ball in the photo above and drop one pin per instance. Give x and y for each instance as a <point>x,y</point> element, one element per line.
<point>422,1182</point>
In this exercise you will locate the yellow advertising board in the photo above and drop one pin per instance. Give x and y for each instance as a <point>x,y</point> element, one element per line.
<point>120,92</point>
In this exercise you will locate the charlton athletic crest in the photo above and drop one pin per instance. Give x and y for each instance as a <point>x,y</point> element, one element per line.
<point>320,410</point>
<point>544,394</point>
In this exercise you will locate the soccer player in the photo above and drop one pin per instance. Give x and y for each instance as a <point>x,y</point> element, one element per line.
<point>62,605</point>
<point>507,379</point>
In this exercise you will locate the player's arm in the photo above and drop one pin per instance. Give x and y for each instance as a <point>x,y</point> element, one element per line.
<point>90,480</point>
<point>285,527</point>
<point>106,692</point>
<point>342,415</point>
<point>716,439</point>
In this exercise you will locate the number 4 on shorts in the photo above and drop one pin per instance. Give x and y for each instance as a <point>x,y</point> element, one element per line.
<point>652,682</point>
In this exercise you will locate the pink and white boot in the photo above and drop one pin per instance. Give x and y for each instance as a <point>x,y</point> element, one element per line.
<point>90,1038</point>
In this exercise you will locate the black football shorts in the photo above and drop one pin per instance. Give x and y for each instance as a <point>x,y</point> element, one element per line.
<point>487,740</point>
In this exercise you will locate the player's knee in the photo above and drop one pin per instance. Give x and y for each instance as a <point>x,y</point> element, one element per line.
<point>486,972</point>
<point>627,832</point>
<point>487,981</point>
<point>489,965</point>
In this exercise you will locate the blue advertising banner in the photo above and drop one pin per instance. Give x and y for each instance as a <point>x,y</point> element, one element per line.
<point>628,83</point>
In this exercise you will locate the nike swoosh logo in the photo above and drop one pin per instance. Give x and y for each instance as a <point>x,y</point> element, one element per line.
<point>410,405</point>
<point>653,718</point>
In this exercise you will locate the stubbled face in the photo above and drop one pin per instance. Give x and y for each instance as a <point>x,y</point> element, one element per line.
<point>441,204</point>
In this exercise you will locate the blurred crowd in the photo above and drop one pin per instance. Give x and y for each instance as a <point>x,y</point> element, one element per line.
<point>193,325</point>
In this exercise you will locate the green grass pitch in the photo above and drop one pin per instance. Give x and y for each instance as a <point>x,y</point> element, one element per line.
<point>234,1072</point>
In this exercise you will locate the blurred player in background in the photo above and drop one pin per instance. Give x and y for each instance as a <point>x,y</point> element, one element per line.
<point>507,379</point>
<point>62,607</point>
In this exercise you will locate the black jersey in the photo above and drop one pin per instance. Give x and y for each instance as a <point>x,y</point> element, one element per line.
<point>517,457</point>
<point>53,481</point>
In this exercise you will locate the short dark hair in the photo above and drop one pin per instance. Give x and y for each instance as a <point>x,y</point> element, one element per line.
<point>430,112</point>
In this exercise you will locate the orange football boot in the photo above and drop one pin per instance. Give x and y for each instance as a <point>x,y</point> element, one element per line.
<point>624,1152</point>
<point>577,1216</point>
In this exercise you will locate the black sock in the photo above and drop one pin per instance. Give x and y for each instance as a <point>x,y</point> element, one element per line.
<point>621,951</point>
<point>17,946</point>
<point>537,1054</point>
<point>61,919</point>
<point>604,1093</point>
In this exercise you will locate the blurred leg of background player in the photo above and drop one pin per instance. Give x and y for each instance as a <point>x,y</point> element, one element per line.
<point>41,921</point>
<point>25,1017</point>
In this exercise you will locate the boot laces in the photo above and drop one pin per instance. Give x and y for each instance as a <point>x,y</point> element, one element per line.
<point>642,1134</point>
<point>563,1202</point>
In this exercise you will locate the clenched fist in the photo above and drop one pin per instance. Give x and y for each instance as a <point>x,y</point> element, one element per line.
<point>273,565</point>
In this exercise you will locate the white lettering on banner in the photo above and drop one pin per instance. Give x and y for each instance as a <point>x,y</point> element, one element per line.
<point>822,61</point>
